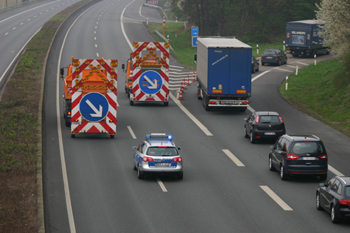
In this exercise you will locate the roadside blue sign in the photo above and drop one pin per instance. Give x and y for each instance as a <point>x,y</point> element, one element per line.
<point>195,31</point>
<point>194,41</point>
<point>150,82</point>
<point>94,107</point>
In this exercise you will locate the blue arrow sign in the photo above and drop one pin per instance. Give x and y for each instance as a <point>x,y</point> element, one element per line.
<point>195,31</point>
<point>150,82</point>
<point>94,107</point>
<point>194,41</point>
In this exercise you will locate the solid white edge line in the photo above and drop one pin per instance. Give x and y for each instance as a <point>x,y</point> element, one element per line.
<point>190,115</point>
<point>162,186</point>
<point>283,70</point>
<point>258,76</point>
<point>276,198</point>
<point>60,140</point>
<point>335,171</point>
<point>131,132</point>
<point>20,51</point>
<point>233,158</point>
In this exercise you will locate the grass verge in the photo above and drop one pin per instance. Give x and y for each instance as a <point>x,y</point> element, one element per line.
<point>19,143</point>
<point>315,91</point>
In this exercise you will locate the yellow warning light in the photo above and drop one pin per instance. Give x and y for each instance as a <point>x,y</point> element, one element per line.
<point>94,87</point>
<point>145,58</point>
<point>157,45</point>
<point>148,55</point>
<point>100,87</point>
<point>141,64</point>
<point>106,81</point>
<point>137,65</point>
<point>91,66</point>
<point>76,81</point>
<point>147,48</point>
<point>77,76</point>
<point>166,44</point>
<point>112,81</point>
<point>154,55</point>
<point>131,54</point>
<point>164,65</point>
<point>106,87</point>
<point>144,45</point>
<point>137,56</point>
<point>98,66</point>
<point>157,58</point>
<point>112,70</point>
<point>87,62</point>
<point>88,87</point>
<point>86,77</point>
<point>114,63</point>
<point>77,70</point>
<point>102,62</point>
<point>82,87</point>
<point>83,81</point>
<point>94,70</point>
<point>76,63</point>
<point>136,44</point>
<point>164,58</point>
<point>112,87</point>
<point>77,87</point>
<point>112,75</point>
<point>141,60</point>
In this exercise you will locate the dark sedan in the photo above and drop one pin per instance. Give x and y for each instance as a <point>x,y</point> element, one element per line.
<point>273,56</point>
<point>263,124</point>
<point>334,197</point>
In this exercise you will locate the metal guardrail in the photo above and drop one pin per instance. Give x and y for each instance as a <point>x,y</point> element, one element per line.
<point>161,35</point>
<point>155,6</point>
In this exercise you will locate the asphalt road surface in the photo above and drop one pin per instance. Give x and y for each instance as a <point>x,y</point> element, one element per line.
<point>18,26</point>
<point>89,181</point>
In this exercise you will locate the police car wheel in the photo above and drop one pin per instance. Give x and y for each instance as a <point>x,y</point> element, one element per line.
<point>181,176</point>
<point>139,173</point>
<point>135,168</point>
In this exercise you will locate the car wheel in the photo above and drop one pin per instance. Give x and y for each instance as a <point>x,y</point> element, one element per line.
<point>279,62</point>
<point>334,217</point>
<point>181,176</point>
<point>271,167</point>
<point>318,205</point>
<point>245,132</point>
<point>284,176</point>
<point>262,63</point>
<point>323,177</point>
<point>135,168</point>
<point>285,62</point>
<point>252,137</point>
<point>205,105</point>
<point>139,173</point>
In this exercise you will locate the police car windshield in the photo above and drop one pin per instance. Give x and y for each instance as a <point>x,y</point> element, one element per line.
<point>162,151</point>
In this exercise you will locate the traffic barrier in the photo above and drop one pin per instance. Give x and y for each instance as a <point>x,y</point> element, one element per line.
<point>180,95</point>
<point>188,80</point>
<point>194,77</point>
<point>183,84</point>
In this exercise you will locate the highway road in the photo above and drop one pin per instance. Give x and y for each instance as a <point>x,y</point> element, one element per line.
<point>89,181</point>
<point>19,25</point>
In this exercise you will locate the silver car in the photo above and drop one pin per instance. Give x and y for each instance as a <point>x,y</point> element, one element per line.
<point>158,155</point>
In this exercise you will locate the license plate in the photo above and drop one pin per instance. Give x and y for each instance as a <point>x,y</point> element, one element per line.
<point>229,102</point>
<point>270,133</point>
<point>308,158</point>
<point>268,57</point>
<point>162,164</point>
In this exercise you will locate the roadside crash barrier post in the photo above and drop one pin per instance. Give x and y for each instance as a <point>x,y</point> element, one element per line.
<point>257,49</point>
<point>287,83</point>
<point>284,45</point>
<point>296,69</point>
<point>315,59</point>
<point>188,80</point>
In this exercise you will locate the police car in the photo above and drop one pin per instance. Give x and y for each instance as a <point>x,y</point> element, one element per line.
<point>158,155</point>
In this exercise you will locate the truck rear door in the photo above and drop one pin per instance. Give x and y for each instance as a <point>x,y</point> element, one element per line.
<point>240,71</point>
<point>218,71</point>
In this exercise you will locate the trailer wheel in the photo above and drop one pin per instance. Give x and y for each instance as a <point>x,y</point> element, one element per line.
<point>131,102</point>
<point>166,103</point>
<point>72,135</point>
<point>111,136</point>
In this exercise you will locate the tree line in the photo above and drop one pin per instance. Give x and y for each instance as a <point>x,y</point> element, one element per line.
<point>259,21</point>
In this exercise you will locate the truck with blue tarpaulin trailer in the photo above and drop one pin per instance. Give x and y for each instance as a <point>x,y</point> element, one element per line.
<point>302,38</point>
<point>223,72</point>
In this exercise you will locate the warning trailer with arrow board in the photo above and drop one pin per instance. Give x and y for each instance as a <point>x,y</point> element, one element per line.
<point>149,71</point>
<point>90,96</point>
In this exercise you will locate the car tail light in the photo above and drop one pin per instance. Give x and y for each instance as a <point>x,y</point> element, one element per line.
<point>257,119</point>
<point>147,159</point>
<point>276,57</point>
<point>344,202</point>
<point>162,146</point>
<point>177,159</point>
<point>199,92</point>
<point>308,51</point>
<point>261,56</point>
<point>292,157</point>
<point>324,156</point>
<point>212,102</point>
<point>319,173</point>
<point>295,173</point>
<point>281,120</point>
<point>245,102</point>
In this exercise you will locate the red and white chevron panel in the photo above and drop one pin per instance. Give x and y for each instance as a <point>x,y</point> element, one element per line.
<point>109,124</point>
<point>138,53</point>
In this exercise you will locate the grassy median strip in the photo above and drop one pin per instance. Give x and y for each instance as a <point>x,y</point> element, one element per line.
<point>19,120</point>
<point>322,92</point>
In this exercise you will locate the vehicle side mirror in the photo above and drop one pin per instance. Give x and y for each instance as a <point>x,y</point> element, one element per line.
<point>179,148</point>
<point>61,72</point>
<point>134,147</point>
<point>272,147</point>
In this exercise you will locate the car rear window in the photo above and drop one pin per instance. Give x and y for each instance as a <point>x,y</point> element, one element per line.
<point>301,148</point>
<point>347,192</point>
<point>268,52</point>
<point>162,151</point>
<point>269,119</point>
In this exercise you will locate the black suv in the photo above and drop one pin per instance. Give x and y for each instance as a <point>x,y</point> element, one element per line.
<point>299,155</point>
<point>263,124</point>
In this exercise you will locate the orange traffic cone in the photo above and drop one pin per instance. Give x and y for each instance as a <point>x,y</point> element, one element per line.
<point>180,95</point>
<point>188,80</point>
<point>194,77</point>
